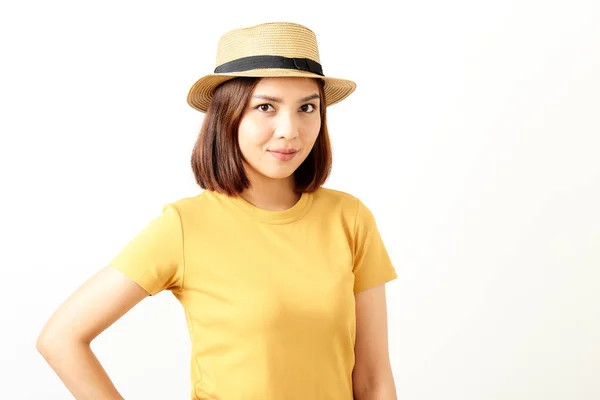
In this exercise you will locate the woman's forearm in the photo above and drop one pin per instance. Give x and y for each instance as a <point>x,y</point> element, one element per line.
<point>80,371</point>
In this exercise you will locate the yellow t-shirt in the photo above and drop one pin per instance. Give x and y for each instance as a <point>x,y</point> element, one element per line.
<point>268,295</point>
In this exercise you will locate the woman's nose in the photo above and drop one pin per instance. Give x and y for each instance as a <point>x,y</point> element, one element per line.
<point>287,126</point>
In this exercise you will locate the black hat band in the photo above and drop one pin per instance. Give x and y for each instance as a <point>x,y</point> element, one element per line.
<point>257,62</point>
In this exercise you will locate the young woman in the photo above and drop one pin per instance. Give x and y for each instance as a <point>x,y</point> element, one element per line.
<point>281,279</point>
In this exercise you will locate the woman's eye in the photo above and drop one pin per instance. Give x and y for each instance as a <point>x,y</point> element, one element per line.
<point>310,107</point>
<point>264,107</point>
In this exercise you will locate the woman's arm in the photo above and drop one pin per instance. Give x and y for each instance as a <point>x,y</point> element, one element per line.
<point>65,340</point>
<point>372,376</point>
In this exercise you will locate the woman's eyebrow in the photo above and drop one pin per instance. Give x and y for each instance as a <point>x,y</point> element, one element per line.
<point>278,100</point>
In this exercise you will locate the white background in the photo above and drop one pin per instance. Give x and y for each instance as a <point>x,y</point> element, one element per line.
<point>473,136</point>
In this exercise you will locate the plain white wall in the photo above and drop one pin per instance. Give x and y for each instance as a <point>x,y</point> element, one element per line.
<point>473,136</point>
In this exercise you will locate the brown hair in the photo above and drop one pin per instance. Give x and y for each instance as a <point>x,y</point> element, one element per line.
<point>217,158</point>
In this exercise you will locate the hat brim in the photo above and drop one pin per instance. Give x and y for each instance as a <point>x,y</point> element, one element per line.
<point>202,90</point>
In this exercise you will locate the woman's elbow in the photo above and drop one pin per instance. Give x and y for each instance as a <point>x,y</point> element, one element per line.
<point>46,344</point>
<point>50,344</point>
<point>374,386</point>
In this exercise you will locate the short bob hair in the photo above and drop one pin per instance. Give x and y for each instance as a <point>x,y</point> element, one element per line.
<point>217,158</point>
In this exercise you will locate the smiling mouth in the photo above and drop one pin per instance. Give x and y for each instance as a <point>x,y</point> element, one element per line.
<point>284,151</point>
<point>283,156</point>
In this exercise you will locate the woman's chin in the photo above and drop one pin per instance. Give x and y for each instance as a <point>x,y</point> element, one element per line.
<point>280,173</point>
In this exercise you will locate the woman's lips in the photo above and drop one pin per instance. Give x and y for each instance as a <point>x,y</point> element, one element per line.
<point>283,155</point>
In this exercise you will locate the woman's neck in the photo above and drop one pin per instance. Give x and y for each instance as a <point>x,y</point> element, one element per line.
<point>271,194</point>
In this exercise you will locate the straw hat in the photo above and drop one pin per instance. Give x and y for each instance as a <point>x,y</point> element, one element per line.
<point>267,50</point>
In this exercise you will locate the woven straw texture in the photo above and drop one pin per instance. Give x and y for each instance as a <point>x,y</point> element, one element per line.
<point>274,38</point>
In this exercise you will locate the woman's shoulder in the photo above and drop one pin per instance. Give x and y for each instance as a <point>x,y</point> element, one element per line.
<point>191,203</point>
<point>335,193</point>
<point>336,197</point>
<point>349,203</point>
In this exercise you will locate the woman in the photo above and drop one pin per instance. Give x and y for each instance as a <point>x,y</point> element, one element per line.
<point>281,280</point>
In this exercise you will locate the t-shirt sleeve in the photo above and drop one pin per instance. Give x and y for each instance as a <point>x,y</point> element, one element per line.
<point>372,264</point>
<point>154,257</point>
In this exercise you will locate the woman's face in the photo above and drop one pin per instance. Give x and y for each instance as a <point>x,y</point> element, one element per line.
<point>280,126</point>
